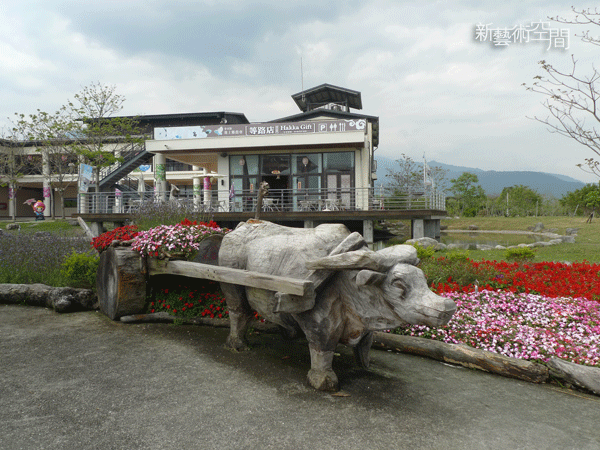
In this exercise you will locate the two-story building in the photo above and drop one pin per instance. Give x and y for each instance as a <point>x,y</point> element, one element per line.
<point>319,165</point>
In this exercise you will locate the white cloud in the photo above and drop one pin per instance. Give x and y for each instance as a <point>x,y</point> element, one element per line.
<point>435,89</point>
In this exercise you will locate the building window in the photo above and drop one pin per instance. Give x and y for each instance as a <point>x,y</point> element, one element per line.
<point>175,166</point>
<point>338,162</point>
<point>294,179</point>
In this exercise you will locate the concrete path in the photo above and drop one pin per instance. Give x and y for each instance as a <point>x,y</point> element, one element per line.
<point>81,381</point>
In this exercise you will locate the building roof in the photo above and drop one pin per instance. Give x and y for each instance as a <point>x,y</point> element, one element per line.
<point>327,93</point>
<point>213,118</point>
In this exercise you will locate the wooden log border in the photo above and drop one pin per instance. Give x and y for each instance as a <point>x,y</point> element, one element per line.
<point>465,356</point>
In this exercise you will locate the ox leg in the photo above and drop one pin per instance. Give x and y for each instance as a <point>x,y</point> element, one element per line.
<point>239,316</point>
<point>321,375</point>
<point>238,323</point>
<point>361,351</point>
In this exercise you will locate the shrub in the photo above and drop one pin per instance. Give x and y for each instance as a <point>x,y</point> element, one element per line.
<point>152,214</point>
<point>519,254</point>
<point>33,258</point>
<point>456,268</point>
<point>457,255</point>
<point>79,270</point>
<point>424,252</point>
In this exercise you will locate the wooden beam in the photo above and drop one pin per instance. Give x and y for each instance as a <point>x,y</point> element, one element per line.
<point>86,229</point>
<point>293,286</point>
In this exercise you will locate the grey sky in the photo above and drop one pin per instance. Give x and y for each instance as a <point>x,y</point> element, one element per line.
<point>437,90</point>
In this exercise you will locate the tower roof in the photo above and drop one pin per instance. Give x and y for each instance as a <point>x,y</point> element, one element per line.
<point>325,94</point>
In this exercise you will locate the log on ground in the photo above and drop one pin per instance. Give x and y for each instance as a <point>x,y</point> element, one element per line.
<point>585,377</point>
<point>465,356</point>
<point>165,317</point>
<point>61,299</point>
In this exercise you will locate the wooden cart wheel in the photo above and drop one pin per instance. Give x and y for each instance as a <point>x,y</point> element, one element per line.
<point>120,283</point>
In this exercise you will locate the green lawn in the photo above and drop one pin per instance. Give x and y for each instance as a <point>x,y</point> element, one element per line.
<point>587,241</point>
<point>58,226</point>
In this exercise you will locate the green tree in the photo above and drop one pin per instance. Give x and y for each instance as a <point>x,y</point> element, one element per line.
<point>52,135</point>
<point>406,177</point>
<point>520,200</point>
<point>468,196</point>
<point>407,181</point>
<point>592,201</point>
<point>100,134</point>
<point>572,97</point>
<point>575,200</point>
<point>12,164</point>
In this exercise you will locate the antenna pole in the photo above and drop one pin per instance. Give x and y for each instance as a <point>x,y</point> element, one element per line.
<point>301,77</point>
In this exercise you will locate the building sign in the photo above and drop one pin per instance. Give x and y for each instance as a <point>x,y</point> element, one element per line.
<point>259,129</point>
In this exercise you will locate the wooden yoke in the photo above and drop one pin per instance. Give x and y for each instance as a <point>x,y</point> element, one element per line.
<point>291,303</point>
<point>290,286</point>
<point>292,295</point>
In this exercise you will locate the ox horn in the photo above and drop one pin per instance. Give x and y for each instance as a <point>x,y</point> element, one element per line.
<point>370,277</point>
<point>358,259</point>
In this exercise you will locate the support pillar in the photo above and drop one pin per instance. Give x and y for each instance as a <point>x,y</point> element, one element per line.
<point>197,189</point>
<point>160,177</point>
<point>417,228</point>
<point>309,224</point>
<point>426,228</point>
<point>207,193</point>
<point>368,233</point>
<point>47,187</point>
<point>97,228</point>
<point>118,208</point>
<point>12,200</point>
<point>432,228</point>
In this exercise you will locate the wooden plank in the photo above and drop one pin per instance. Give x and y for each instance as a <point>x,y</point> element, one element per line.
<point>86,229</point>
<point>293,286</point>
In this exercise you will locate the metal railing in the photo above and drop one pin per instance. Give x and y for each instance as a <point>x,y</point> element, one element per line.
<point>277,200</point>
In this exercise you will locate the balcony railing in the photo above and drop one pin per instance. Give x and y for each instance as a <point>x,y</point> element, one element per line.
<point>277,200</point>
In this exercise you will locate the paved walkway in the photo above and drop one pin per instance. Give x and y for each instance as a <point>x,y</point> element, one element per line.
<point>80,381</point>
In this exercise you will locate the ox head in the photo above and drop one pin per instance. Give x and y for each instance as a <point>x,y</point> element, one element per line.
<point>390,275</point>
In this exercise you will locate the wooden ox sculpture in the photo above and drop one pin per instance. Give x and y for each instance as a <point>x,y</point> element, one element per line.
<point>356,290</point>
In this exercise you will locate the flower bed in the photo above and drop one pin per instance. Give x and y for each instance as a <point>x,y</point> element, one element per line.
<point>529,311</point>
<point>552,279</point>
<point>181,240</point>
<point>524,326</point>
<point>104,241</point>
<point>204,300</point>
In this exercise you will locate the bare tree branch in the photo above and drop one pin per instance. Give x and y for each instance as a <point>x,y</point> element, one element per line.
<point>573,100</point>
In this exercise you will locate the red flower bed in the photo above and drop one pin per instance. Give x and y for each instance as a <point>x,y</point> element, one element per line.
<point>203,300</point>
<point>188,223</point>
<point>551,279</point>
<point>103,241</point>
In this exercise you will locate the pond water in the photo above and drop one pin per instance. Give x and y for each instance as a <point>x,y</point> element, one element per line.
<point>493,239</point>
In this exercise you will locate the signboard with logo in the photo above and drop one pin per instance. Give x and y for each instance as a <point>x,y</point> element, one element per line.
<point>259,129</point>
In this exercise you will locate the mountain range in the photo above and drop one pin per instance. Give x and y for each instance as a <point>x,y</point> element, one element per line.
<point>492,181</point>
